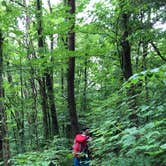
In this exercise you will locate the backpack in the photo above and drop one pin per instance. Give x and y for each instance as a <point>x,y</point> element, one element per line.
<point>80,144</point>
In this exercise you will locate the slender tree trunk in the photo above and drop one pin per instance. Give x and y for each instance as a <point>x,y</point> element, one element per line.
<point>45,108</point>
<point>145,53</point>
<point>42,81</point>
<point>84,108</point>
<point>21,132</point>
<point>4,142</point>
<point>50,90</point>
<point>62,82</point>
<point>33,127</point>
<point>34,111</point>
<point>19,114</point>
<point>71,72</point>
<point>1,95</point>
<point>13,118</point>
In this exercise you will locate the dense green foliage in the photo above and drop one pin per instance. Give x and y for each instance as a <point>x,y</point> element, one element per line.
<point>124,143</point>
<point>104,101</point>
<point>55,153</point>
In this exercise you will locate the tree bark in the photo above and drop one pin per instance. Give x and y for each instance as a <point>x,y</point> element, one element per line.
<point>126,48</point>
<point>84,108</point>
<point>71,71</point>
<point>50,90</point>
<point>1,95</point>
<point>42,81</point>
<point>21,132</point>
<point>46,120</point>
<point>126,63</point>
<point>33,116</point>
<point>144,67</point>
<point>4,142</point>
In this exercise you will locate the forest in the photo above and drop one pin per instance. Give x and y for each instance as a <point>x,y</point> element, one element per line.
<point>69,64</point>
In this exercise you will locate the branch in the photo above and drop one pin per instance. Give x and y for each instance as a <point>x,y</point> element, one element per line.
<point>18,3</point>
<point>157,51</point>
<point>49,5</point>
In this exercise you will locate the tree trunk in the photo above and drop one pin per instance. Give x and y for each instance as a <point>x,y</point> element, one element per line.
<point>33,127</point>
<point>71,72</point>
<point>84,103</point>
<point>62,82</point>
<point>46,124</point>
<point>42,81</point>
<point>126,48</point>
<point>50,90</point>
<point>33,116</point>
<point>126,64</point>
<point>21,132</point>
<point>144,67</point>
<point>4,142</point>
<point>13,118</point>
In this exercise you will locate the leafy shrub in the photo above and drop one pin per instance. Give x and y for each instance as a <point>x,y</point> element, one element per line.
<point>117,141</point>
<point>57,153</point>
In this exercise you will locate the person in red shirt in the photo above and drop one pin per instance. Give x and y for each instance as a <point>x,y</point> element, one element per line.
<point>80,148</point>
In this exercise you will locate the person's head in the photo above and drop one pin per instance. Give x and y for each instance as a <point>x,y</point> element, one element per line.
<point>85,130</point>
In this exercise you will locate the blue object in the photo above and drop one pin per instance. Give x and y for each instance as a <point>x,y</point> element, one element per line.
<point>78,162</point>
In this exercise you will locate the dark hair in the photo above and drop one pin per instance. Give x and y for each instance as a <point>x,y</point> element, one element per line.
<point>84,129</point>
